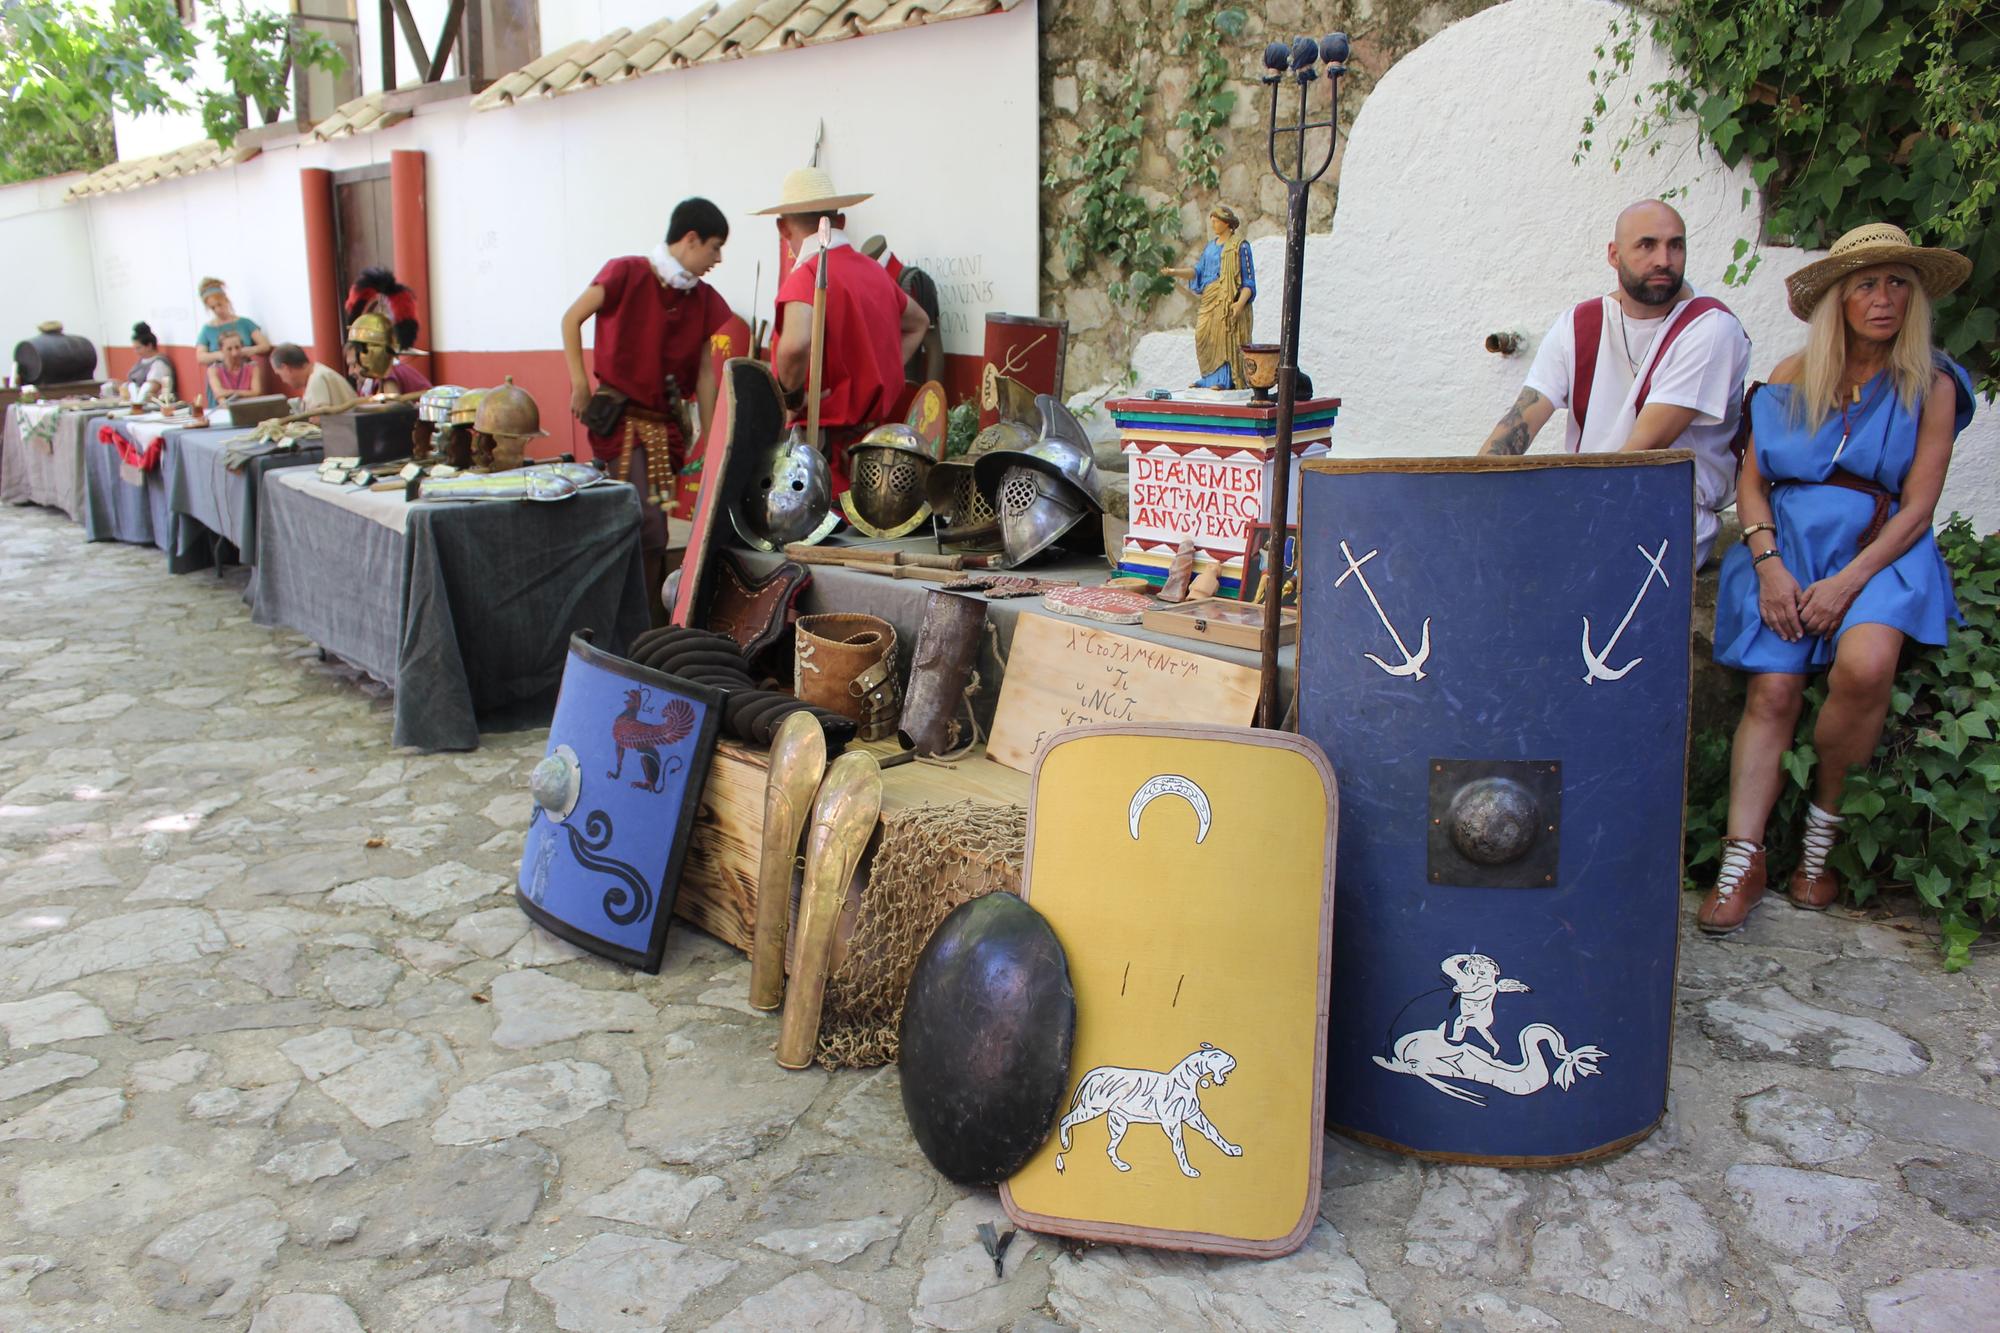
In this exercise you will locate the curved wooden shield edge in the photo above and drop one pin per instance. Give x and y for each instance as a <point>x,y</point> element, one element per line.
<point>670,878</point>
<point>735,337</point>
<point>1118,1233</point>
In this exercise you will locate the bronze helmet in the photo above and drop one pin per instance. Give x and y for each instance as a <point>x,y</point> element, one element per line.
<point>888,468</point>
<point>372,335</point>
<point>508,413</point>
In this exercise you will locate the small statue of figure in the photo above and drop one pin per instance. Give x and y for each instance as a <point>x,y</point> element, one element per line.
<point>1226,280</point>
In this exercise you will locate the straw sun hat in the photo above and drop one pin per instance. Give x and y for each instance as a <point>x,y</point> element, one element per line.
<point>810,190</point>
<point>1940,271</point>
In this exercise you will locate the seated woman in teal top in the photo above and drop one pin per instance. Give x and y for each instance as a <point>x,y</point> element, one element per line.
<point>1838,565</point>
<point>224,319</point>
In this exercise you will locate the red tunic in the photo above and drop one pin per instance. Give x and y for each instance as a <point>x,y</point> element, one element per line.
<point>647,331</point>
<point>863,374</point>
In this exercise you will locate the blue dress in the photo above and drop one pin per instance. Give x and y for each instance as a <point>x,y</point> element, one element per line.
<point>1207,272</point>
<point>1819,526</point>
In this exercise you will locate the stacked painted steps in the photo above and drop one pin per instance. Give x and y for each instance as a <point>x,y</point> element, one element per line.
<point>1201,467</point>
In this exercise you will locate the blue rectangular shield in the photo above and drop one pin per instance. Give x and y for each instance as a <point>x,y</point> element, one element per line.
<point>1495,655</point>
<point>615,802</point>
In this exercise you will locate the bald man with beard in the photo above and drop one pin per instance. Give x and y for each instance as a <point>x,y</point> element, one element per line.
<point>1653,365</point>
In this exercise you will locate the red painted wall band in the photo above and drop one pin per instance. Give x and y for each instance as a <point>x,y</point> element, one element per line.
<point>543,373</point>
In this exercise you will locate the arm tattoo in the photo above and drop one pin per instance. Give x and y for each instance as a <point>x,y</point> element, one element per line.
<point>1511,435</point>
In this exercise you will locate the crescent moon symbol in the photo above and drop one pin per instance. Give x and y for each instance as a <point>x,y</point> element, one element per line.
<point>1171,784</point>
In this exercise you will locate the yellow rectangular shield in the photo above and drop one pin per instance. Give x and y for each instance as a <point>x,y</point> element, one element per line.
<point>1188,872</point>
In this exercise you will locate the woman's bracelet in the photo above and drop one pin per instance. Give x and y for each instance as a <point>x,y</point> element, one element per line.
<point>1757,560</point>
<point>1756,528</point>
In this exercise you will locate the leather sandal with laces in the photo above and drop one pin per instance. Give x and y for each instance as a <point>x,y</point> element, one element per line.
<point>1814,887</point>
<point>1739,887</point>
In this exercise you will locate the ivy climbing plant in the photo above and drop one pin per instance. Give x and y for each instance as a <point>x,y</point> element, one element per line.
<point>1846,111</point>
<point>1108,217</point>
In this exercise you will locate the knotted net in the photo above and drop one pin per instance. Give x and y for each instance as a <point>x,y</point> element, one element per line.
<point>930,859</point>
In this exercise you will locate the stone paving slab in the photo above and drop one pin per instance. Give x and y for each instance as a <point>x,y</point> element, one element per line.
<point>280,1054</point>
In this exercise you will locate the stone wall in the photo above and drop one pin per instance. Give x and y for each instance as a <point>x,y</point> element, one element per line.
<point>1087,42</point>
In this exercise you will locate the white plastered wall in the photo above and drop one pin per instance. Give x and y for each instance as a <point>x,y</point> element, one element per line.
<point>45,267</point>
<point>1461,215</point>
<point>527,202</point>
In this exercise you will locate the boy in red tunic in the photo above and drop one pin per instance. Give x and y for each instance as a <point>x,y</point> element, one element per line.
<point>872,327</point>
<point>654,319</point>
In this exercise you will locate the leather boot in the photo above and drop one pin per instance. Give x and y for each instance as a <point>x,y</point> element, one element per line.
<point>1739,887</point>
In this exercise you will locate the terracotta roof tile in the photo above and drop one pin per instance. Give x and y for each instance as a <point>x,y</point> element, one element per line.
<point>184,161</point>
<point>659,48</point>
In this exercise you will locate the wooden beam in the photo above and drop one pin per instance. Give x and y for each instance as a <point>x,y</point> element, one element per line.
<point>411,34</point>
<point>474,46</point>
<point>446,40</point>
<point>387,12</point>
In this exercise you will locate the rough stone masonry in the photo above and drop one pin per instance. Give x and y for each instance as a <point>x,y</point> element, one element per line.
<point>281,1054</point>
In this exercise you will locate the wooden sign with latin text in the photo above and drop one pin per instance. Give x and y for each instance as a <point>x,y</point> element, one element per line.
<point>1065,673</point>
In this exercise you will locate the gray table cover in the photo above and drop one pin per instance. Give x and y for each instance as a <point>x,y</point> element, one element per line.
<point>901,603</point>
<point>471,609</point>
<point>115,510</point>
<point>208,499</point>
<point>28,475</point>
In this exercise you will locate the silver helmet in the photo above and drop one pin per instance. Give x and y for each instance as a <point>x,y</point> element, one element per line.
<point>888,468</point>
<point>786,498</point>
<point>1062,451</point>
<point>1036,509</point>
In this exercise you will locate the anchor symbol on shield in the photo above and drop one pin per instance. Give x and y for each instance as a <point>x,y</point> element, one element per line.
<point>1412,664</point>
<point>1594,667</point>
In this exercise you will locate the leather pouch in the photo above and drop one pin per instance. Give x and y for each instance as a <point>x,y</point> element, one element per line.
<point>604,411</point>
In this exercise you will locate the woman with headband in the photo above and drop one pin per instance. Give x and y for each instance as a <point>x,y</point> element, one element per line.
<point>224,319</point>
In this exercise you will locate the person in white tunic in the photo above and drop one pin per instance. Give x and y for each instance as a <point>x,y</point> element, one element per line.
<point>1661,367</point>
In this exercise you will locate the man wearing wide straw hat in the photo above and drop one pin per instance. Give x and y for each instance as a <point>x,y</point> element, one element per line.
<point>1653,365</point>
<point>872,327</point>
<point>1838,567</point>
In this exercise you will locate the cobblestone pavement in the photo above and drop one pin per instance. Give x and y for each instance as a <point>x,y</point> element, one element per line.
<point>281,1054</point>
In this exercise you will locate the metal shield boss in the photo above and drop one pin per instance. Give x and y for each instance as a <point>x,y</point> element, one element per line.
<point>1508,712</point>
<point>986,1032</point>
<point>615,800</point>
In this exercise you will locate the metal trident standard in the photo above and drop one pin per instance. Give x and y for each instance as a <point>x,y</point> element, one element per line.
<point>1413,663</point>
<point>1594,668</point>
<point>1297,64</point>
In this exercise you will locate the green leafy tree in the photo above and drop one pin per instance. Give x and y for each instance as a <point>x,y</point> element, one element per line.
<point>1847,111</point>
<point>258,50</point>
<point>63,69</point>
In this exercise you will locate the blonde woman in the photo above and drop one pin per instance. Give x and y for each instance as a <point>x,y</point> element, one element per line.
<point>1838,567</point>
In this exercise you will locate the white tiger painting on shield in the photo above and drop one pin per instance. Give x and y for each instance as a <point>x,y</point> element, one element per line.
<point>1171,1100</point>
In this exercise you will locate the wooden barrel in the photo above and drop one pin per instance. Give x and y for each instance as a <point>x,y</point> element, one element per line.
<point>52,356</point>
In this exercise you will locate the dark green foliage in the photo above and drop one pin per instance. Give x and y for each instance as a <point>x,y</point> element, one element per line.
<point>1925,814</point>
<point>1847,111</point>
<point>1109,219</point>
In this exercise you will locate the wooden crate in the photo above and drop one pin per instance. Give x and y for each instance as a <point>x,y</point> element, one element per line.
<point>718,890</point>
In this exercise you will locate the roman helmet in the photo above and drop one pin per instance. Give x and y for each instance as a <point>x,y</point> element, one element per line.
<point>1044,489</point>
<point>787,498</point>
<point>508,416</point>
<point>888,468</point>
<point>437,403</point>
<point>371,334</point>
